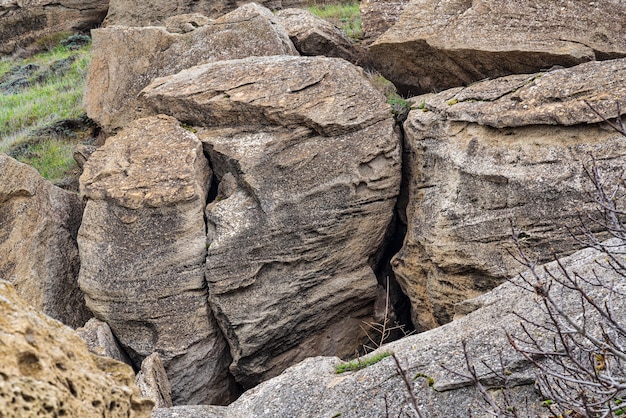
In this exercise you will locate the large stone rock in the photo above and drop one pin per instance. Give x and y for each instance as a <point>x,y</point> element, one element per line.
<point>142,247</point>
<point>501,150</point>
<point>155,13</point>
<point>437,45</point>
<point>101,341</point>
<point>379,15</point>
<point>314,389</point>
<point>47,371</point>
<point>38,251</point>
<point>23,22</point>
<point>312,35</point>
<point>309,169</point>
<point>125,60</point>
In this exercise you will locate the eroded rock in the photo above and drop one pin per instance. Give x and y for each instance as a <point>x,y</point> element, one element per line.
<point>310,168</point>
<point>142,245</point>
<point>47,371</point>
<point>153,383</point>
<point>437,45</point>
<point>101,341</point>
<point>38,227</point>
<point>126,59</point>
<point>510,149</point>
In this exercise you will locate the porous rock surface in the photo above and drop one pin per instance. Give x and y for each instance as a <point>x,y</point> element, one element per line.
<point>314,389</point>
<point>47,371</point>
<point>22,22</point>
<point>126,59</point>
<point>313,36</point>
<point>510,149</point>
<point>439,44</point>
<point>142,247</point>
<point>154,13</point>
<point>309,170</point>
<point>38,227</point>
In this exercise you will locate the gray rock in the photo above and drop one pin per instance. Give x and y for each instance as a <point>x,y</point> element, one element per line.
<point>39,254</point>
<point>436,45</point>
<point>101,341</point>
<point>125,59</point>
<point>379,15</point>
<point>142,247</point>
<point>309,165</point>
<point>153,383</point>
<point>189,411</point>
<point>500,150</point>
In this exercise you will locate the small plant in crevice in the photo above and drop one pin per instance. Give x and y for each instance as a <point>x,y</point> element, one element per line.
<point>361,363</point>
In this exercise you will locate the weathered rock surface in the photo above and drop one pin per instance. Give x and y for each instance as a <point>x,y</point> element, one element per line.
<point>47,371</point>
<point>153,383</point>
<point>507,149</point>
<point>125,59</point>
<point>437,45</point>
<point>313,389</point>
<point>379,15</point>
<point>101,341</point>
<point>310,168</point>
<point>154,13</point>
<point>38,227</point>
<point>314,36</point>
<point>22,22</point>
<point>142,247</point>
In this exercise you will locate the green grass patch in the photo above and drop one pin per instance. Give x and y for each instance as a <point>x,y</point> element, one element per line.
<point>358,364</point>
<point>38,93</point>
<point>346,17</point>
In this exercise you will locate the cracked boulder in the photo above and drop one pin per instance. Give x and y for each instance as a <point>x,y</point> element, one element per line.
<point>142,248</point>
<point>126,59</point>
<point>24,22</point>
<point>510,149</point>
<point>39,254</point>
<point>437,45</point>
<point>47,371</point>
<point>309,170</point>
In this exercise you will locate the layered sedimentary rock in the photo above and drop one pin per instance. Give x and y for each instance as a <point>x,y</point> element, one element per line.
<point>309,169</point>
<point>47,371</point>
<point>38,227</point>
<point>501,151</point>
<point>437,45</point>
<point>23,22</point>
<point>313,387</point>
<point>142,247</point>
<point>126,59</point>
<point>312,35</point>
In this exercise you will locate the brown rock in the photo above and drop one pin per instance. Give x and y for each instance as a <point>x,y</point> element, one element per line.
<point>309,169</point>
<point>493,152</point>
<point>142,246</point>
<point>379,15</point>
<point>38,251</point>
<point>153,383</point>
<point>125,60</point>
<point>312,35</point>
<point>186,22</point>
<point>437,45</point>
<point>47,371</point>
<point>23,22</point>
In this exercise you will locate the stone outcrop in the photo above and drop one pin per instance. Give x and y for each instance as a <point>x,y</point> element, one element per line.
<point>125,59</point>
<point>39,255</point>
<point>142,247</point>
<point>437,45</point>
<point>309,169</point>
<point>500,150</point>
<point>22,22</point>
<point>314,36</point>
<point>379,15</point>
<point>47,371</point>
<point>101,341</point>
<point>154,13</point>
<point>314,389</point>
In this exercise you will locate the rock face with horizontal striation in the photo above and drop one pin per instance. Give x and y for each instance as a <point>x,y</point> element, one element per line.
<point>142,247</point>
<point>309,170</point>
<point>22,22</point>
<point>38,227</point>
<point>126,59</point>
<point>510,149</point>
<point>47,371</point>
<point>436,45</point>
